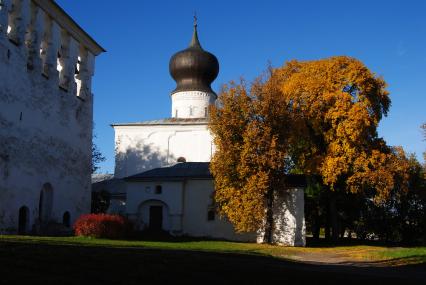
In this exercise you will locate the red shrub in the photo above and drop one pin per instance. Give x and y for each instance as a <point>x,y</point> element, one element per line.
<point>102,226</point>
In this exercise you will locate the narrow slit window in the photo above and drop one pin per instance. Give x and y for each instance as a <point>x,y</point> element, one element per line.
<point>211,214</point>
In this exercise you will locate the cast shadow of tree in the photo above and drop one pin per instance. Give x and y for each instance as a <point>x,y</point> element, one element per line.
<point>141,158</point>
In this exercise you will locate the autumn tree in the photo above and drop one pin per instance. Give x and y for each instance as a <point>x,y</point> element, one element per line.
<point>251,133</point>
<point>317,117</point>
<point>402,217</point>
<point>341,103</point>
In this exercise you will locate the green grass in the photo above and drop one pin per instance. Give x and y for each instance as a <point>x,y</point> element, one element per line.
<point>399,255</point>
<point>354,253</point>
<point>198,245</point>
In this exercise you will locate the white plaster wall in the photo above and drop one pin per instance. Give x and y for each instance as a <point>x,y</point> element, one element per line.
<point>141,195</point>
<point>185,207</point>
<point>139,148</point>
<point>198,195</point>
<point>45,137</point>
<point>289,218</point>
<point>191,104</point>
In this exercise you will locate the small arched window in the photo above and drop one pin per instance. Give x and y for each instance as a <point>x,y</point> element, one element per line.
<point>181,159</point>
<point>211,213</point>
<point>158,189</point>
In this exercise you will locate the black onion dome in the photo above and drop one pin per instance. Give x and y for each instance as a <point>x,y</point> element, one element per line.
<point>194,69</point>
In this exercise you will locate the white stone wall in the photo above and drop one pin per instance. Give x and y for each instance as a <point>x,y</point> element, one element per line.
<point>289,218</point>
<point>185,206</point>
<point>139,148</point>
<point>45,120</point>
<point>192,104</point>
<point>141,195</point>
<point>198,199</point>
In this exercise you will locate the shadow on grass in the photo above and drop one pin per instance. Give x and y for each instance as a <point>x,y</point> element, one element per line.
<point>76,264</point>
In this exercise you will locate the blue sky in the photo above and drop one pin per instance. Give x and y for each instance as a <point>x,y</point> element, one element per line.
<point>132,81</point>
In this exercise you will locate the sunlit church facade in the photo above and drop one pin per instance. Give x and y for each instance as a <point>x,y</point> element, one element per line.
<point>162,179</point>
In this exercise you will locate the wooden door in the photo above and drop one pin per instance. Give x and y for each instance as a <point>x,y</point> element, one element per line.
<point>156,218</point>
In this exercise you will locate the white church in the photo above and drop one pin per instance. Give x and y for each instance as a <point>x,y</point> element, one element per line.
<point>162,179</point>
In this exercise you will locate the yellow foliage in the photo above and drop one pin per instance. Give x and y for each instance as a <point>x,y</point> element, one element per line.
<point>342,102</point>
<point>319,117</point>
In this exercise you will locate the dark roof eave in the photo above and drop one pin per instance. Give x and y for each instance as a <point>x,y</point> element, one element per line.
<point>166,179</point>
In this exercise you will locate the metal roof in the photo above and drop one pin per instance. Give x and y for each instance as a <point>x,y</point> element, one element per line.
<point>167,121</point>
<point>177,172</point>
<point>197,170</point>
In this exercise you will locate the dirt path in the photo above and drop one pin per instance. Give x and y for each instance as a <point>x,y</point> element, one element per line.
<point>357,257</point>
<point>324,257</point>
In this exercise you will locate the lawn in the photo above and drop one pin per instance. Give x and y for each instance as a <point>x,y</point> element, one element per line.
<point>75,260</point>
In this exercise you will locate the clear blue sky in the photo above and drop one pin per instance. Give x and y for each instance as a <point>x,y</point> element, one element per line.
<point>132,81</point>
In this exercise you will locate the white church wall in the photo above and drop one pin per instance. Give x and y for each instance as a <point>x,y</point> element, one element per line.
<point>45,120</point>
<point>186,205</point>
<point>142,195</point>
<point>198,200</point>
<point>185,209</point>
<point>289,218</point>
<point>143,147</point>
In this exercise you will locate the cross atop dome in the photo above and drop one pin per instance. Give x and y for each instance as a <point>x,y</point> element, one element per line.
<point>194,41</point>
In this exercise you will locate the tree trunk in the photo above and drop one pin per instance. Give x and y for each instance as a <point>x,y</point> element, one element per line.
<point>269,221</point>
<point>316,224</point>
<point>333,217</point>
<point>327,216</point>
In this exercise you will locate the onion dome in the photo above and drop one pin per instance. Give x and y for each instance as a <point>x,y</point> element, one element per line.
<point>194,69</point>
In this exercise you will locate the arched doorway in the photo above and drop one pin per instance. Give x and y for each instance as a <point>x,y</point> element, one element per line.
<point>66,219</point>
<point>154,216</point>
<point>23,220</point>
<point>45,203</point>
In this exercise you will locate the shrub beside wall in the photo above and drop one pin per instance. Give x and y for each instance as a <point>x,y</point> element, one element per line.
<point>103,226</point>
